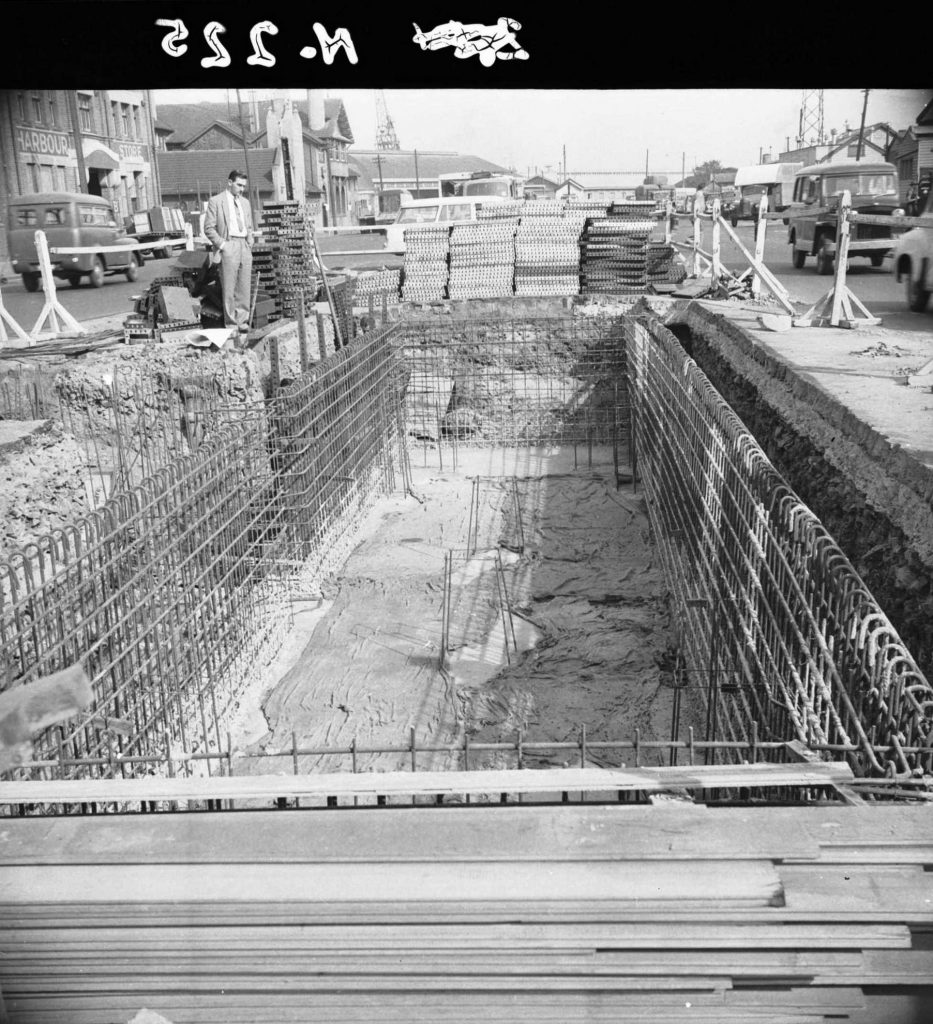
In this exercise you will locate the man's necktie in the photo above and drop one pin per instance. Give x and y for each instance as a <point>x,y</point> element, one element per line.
<point>239,215</point>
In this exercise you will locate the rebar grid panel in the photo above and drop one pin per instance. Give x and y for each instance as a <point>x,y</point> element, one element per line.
<point>778,628</point>
<point>335,447</point>
<point>515,381</point>
<point>175,593</point>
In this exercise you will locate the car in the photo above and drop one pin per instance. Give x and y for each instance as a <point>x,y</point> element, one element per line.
<point>69,220</point>
<point>813,214</point>
<point>913,259</point>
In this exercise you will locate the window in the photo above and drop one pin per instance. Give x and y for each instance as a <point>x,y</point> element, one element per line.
<point>37,110</point>
<point>53,109</point>
<point>457,211</point>
<point>34,174</point>
<point>61,182</point>
<point>84,111</point>
<point>137,134</point>
<point>26,218</point>
<point>55,215</point>
<point>21,106</point>
<point>48,182</point>
<point>96,215</point>
<point>125,117</point>
<point>418,215</point>
<point>114,116</point>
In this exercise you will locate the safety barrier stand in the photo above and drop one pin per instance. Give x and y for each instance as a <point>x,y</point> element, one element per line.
<point>6,318</point>
<point>835,308</point>
<point>52,309</point>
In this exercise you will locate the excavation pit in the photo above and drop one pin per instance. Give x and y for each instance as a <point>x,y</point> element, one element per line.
<point>539,538</point>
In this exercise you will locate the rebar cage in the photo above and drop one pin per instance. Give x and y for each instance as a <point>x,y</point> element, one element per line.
<point>778,630</point>
<point>174,592</point>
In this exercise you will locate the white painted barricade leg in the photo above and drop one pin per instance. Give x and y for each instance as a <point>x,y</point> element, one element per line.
<point>52,308</point>
<point>760,241</point>
<point>6,318</point>
<point>774,285</point>
<point>717,265</point>
<point>189,238</point>
<point>668,231</point>
<point>697,236</point>
<point>837,307</point>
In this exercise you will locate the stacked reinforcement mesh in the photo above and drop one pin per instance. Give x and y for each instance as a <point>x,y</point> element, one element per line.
<point>426,250</point>
<point>482,260</point>
<point>377,282</point>
<point>506,211</point>
<point>613,256</point>
<point>662,265</point>
<point>547,254</point>
<point>284,260</point>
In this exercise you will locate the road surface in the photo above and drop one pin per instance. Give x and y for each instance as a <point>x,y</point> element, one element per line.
<point>875,287</point>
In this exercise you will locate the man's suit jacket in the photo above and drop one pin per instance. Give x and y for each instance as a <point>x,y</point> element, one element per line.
<point>216,221</point>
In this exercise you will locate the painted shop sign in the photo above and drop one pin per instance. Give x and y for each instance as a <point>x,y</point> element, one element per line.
<point>133,151</point>
<point>46,143</point>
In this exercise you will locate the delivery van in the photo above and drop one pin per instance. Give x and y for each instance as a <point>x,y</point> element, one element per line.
<point>776,180</point>
<point>441,210</point>
<point>813,212</point>
<point>69,220</point>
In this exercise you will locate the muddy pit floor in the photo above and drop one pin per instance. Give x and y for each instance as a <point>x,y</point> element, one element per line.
<point>588,641</point>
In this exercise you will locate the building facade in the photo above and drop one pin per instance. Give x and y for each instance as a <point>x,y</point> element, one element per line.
<point>97,141</point>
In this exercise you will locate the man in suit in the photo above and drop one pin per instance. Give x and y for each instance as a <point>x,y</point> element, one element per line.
<point>228,224</point>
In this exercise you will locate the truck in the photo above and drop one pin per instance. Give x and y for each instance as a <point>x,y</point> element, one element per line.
<point>156,224</point>
<point>480,183</point>
<point>776,180</point>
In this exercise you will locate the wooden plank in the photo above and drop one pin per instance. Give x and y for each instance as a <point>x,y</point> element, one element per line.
<point>754,882</point>
<point>903,891</point>
<point>576,780</point>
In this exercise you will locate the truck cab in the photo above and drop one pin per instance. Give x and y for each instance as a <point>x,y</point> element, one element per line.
<point>448,210</point>
<point>69,220</point>
<point>813,213</point>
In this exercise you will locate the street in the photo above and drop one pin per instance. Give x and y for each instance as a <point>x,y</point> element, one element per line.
<point>875,287</point>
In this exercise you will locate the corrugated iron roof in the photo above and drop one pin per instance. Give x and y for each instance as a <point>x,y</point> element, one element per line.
<point>398,165</point>
<point>183,171</point>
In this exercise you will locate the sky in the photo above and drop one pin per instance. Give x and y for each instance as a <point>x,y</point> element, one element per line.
<point>602,130</point>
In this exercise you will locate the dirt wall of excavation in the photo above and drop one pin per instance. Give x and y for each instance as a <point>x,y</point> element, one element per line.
<point>875,500</point>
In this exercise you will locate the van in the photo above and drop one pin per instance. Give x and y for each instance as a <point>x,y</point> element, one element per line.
<point>446,210</point>
<point>776,180</point>
<point>69,220</point>
<point>819,188</point>
<point>913,258</point>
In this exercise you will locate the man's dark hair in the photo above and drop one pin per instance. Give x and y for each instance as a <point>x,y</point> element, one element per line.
<point>233,175</point>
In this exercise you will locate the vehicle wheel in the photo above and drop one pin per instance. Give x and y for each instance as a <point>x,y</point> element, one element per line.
<point>75,280</point>
<point>31,282</point>
<point>917,295</point>
<point>132,271</point>
<point>96,275</point>
<point>800,258</point>
<point>877,259</point>
<point>785,221</point>
<point>734,221</point>
<point>824,259</point>
<point>160,254</point>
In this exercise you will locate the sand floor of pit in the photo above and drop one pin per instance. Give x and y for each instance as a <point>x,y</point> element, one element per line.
<point>588,642</point>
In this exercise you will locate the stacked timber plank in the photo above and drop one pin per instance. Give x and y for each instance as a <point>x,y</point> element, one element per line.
<point>425,269</point>
<point>547,251</point>
<point>482,259</point>
<point>547,914</point>
<point>284,259</point>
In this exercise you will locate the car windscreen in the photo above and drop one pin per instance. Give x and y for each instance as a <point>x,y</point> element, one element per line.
<point>487,188</point>
<point>417,215</point>
<point>55,215</point>
<point>859,185</point>
<point>100,216</point>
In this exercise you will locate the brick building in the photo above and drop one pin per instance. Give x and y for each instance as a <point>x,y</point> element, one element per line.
<point>49,138</point>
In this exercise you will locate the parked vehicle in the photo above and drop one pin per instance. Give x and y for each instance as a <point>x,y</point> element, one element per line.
<point>819,188</point>
<point>73,220</point>
<point>913,259</point>
<point>776,180</point>
<point>449,210</point>
<point>480,183</point>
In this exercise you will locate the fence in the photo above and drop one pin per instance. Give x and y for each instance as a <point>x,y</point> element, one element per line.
<point>174,592</point>
<point>776,625</point>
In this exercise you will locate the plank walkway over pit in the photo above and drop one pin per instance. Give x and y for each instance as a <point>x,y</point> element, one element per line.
<point>545,914</point>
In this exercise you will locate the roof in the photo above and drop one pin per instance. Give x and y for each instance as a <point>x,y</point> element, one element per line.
<point>57,197</point>
<point>189,120</point>
<point>849,166</point>
<point>539,179</point>
<point>400,164</point>
<point>183,171</point>
<point>606,180</point>
<point>925,116</point>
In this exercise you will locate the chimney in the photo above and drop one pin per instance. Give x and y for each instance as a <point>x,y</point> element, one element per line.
<point>315,109</point>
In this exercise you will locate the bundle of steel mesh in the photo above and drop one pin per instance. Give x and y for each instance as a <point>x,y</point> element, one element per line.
<point>547,254</point>
<point>612,255</point>
<point>662,264</point>
<point>425,269</point>
<point>482,260</point>
<point>377,282</point>
<point>507,211</point>
<point>284,259</point>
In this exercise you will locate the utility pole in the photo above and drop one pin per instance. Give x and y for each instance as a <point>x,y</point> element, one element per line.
<point>79,144</point>
<point>565,161</point>
<point>379,165</point>
<point>683,170</point>
<point>249,177</point>
<point>417,176</point>
<point>646,166</point>
<point>861,131</point>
